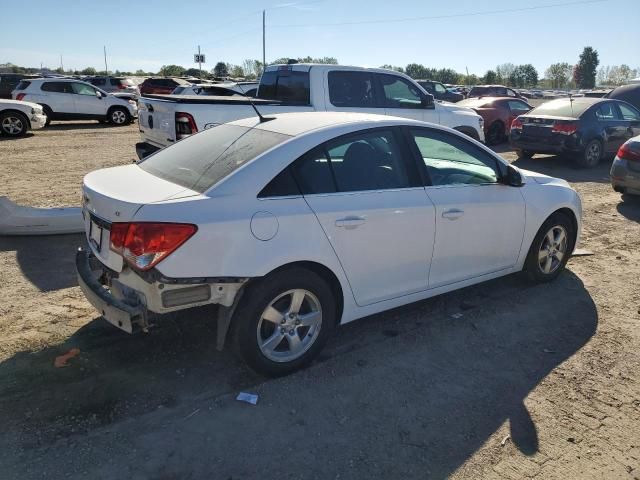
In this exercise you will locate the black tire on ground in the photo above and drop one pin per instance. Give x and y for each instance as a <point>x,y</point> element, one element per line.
<point>13,124</point>
<point>119,116</point>
<point>533,265</point>
<point>246,320</point>
<point>48,112</point>
<point>591,155</point>
<point>495,134</point>
<point>525,153</point>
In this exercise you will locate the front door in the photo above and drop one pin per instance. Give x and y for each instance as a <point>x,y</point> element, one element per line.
<point>631,117</point>
<point>373,210</point>
<point>479,221</point>
<point>87,101</point>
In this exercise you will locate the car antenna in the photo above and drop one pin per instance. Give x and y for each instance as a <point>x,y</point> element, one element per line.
<point>571,103</point>
<point>262,119</point>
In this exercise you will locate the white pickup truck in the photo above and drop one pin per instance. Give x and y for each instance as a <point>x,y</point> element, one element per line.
<point>165,119</point>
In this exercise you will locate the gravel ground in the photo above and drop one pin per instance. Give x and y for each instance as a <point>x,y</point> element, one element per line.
<point>531,381</point>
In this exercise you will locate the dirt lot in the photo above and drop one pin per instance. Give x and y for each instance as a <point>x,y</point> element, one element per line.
<point>530,382</point>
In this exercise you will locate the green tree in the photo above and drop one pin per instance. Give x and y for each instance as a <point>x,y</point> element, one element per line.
<point>193,72</point>
<point>587,66</point>
<point>237,71</point>
<point>220,70</point>
<point>415,70</point>
<point>504,72</point>
<point>392,67</point>
<point>490,78</point>
<point>172,71</point>
<point>558,74</point>
<point>88,71</point>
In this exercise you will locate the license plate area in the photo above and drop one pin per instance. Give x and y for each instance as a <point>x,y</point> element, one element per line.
<point>95,235</point>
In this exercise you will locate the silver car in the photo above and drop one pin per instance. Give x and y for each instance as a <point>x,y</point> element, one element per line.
<point>625,170</point>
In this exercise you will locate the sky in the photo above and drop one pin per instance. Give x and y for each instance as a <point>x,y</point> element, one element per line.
<point>473,34</point>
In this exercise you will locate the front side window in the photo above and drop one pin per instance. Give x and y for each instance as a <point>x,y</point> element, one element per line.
<point>440,88</point>
<point>511,93</point>
<point>351,89</point>
<point>629,113</point>
<point>82,89</point>
<point>399,92</point>
<point>202,160</point>
<point>453,161</point>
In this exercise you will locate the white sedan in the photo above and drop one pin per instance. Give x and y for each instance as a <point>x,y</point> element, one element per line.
<point>17,117</point>
<point>305,221</point>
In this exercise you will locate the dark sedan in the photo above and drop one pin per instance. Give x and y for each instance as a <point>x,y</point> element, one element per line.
<point>498,113</point>
<point>585,128</point>
<point>439,91</point>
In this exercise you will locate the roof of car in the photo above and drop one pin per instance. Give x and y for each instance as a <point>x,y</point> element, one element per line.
<point>294,124</point>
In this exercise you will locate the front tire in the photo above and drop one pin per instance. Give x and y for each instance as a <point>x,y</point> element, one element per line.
<point>119,116</point>
<point>525,154</point>
<point>284,322</point>
<point>550,249</point>
<point>14,124</point>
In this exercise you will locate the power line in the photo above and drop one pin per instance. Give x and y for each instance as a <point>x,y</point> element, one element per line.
<point>436,17</point>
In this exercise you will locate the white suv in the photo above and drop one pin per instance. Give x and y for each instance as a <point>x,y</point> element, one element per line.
<point>70,99</point>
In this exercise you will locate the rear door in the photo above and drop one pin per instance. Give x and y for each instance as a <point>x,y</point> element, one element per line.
<point>58,96</point>
<point>352,91</point>
<point>373,210</point>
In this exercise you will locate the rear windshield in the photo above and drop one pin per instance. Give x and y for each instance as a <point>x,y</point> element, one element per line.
<point>475,103</point>
<point>200,161</point>
<point>285,85</point>
<point>22,85</point>
<point>561,108</point>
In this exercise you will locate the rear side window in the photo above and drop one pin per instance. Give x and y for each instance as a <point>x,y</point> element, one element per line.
<point>282,185</point>
<point>285,85</point>
<point>313,173</point>
<point>200,161</point>
<point>23,85</point>
<point>97,81</point>
<point>607,111</point>
<point>58,87</point>
<point>351,89</point>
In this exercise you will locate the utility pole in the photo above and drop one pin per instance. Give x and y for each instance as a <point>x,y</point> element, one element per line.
<point>200,61</point>
<point>61,65</point>
<point>106,69</point>
<point>264,55</point>
<point>467,69</point>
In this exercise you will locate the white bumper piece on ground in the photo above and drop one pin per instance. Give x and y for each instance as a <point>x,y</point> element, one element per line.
<point>18,220</point>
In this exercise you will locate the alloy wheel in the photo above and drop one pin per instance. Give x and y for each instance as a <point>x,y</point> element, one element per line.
<point>593,153</point>
<point>552,249</point>
<point>289,325</point>
<point>12,125</point>
<point>118,117</point>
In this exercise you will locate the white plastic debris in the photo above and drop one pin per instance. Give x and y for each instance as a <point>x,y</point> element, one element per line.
<point>457,315</point>
<point>251,398</point>
<point>19,220</point>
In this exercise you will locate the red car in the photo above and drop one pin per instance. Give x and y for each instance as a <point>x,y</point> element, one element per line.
<point>498,113</point>
<point>161,85</point>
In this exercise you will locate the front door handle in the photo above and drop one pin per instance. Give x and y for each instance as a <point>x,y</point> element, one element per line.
<point>453,214</point>
<point>350,222</point>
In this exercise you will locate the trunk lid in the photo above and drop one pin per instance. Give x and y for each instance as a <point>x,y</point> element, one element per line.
<point>156,119</point>
<point>115,195</point>
<point>541,126</point>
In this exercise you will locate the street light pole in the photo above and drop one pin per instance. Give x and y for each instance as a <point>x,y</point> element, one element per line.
<point>200,61</point>
<point>106,69</point>
<point>264,55</point>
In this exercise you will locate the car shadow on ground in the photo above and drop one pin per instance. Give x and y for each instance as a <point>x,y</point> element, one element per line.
<point>436,378</point>
<point>90,124</point>
<point>629,207</point>
<point>8,138</point>
<point>563,167</point>
<point>48,262</point>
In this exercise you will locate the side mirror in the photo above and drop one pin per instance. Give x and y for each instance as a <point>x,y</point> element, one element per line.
<point>427,101</point>
<point>513,177</point>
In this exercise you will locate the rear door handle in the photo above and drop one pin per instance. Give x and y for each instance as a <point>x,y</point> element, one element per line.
<point>453,214</point>
<point>350,222</point>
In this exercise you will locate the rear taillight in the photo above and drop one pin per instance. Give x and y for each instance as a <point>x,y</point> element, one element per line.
<point>144,244</point>
<point>20,96</point>
<point>185,125</point>
<point>564,128</point>
<point>121,86</point>
<point>625,152</point>
<point>516,124</point>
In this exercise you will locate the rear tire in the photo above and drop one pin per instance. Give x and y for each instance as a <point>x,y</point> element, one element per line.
<point>550,249</point>
<point>591,155</point>
<point>13,124</point>
<point>292,336</point>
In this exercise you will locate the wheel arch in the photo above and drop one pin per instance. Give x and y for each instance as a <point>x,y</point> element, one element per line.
<point>323,272</point>
<point>568,212</point>
<point>467,130</point>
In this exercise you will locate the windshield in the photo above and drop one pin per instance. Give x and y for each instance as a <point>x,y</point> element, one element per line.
<point>201,161</point>
<point>561,108</point>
